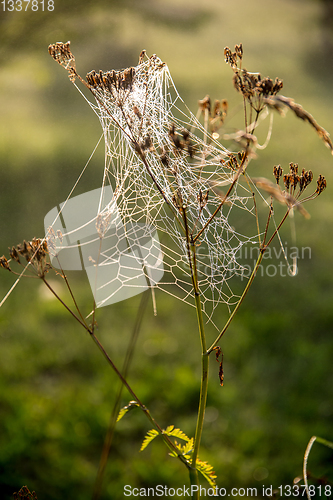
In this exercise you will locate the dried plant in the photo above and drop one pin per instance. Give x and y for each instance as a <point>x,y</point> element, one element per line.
<point>25,494</point>
<point>166,173</point>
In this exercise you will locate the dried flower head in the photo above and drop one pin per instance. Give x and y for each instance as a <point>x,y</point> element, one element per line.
<point>277,171</point>
<point>205,104</point>
<point>233,58</point>
<point>25,494</point>
<point>62,54</point>
<point>35,252</point>
<point>4,263</point>
<point>112,81</point>
<point>232,162</point>
<point>295,186</point>
<point>253,88</point>
<point>214,115</point>
<point>305,179</point>
<point>321,184</point>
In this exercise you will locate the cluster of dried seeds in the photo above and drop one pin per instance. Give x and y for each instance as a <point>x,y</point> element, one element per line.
<point>62,54</point>
<point>109,80</point>
<point>293,180</point>
<point>181,141</point>
<point>35,252</point>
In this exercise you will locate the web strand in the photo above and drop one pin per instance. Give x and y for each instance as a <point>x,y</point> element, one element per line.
<point>158,159</point>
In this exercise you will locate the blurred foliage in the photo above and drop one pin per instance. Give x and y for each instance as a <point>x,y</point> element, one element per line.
<point>56,392</point>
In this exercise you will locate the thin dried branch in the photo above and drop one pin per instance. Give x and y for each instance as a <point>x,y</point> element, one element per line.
<point>279,102</point>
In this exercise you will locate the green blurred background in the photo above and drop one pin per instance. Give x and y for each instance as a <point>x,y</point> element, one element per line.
<point>56,391</point>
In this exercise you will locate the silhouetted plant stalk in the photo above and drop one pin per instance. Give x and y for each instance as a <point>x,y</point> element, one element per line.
<point>258,94</point>
<point>116,406</point>
<point>311,490</point>
<point>36,254</point>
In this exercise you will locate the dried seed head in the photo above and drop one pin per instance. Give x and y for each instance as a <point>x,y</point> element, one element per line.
<point>182,141</point>
<point>293,167</point>
<point>287,181</point>
<point>278,85</point>
<point>146,144</point>
<point>13,253</point>
<point>186,134</point>
<point>227,54</point>
<point>237,82</point>
<point>142,56</point>
<point>35,252</point>
<point>305,179</point>
<point>241,155</point>
<point>190,150</point>
<point>4,263</point>
<point>232,57</point>
<point>217,108</point>
<point>239,51</point>
<point>321,184</point>
<point>232,163</point>
<point>277,171</point>
<point>62,54</point>
<point>266,87</point>
<point>224,105</point>
<point>111,80</point>
<point>205,103</point>
<point>294,180</point>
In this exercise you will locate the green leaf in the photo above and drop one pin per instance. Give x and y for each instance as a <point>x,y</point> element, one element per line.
<point>170,431</point>
<point>149,437</point>
<point>188,446</point>
<point>123,411</point>
<point>184,449</point>
<point>173,454</point>
<point>207,471</point>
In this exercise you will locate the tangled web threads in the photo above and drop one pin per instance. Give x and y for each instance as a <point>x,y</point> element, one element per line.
<point>168,176</point>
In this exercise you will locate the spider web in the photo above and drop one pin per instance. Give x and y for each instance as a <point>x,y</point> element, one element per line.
<point>159,163</point>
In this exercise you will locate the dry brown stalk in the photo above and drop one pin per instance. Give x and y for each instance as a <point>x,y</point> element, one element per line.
<point>279,103</point>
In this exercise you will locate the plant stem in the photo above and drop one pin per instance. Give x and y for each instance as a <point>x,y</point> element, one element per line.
<point>116,406</point>
<point>263,248</point>
<point>238,173</point>
<point>203,388</point>
<point>145,410</point>
<point>82,323</point>
<point>246,289</point>
<point>204,380</point>
<point>165,438</point>
<point>204,357</point>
